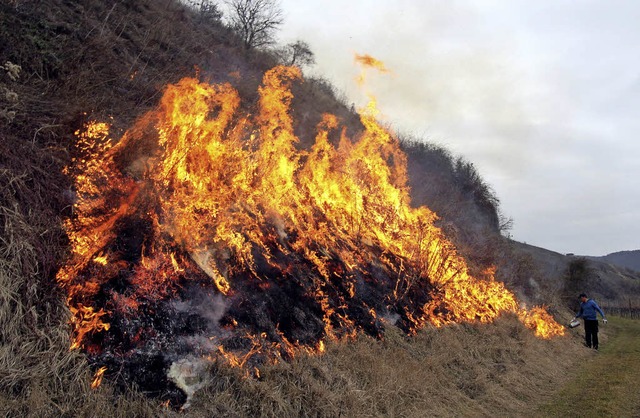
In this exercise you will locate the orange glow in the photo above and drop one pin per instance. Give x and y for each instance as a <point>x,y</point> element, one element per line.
<point>541,322</point>
<point>229,196</point>
<point>97,378</point>
<point>367,60</point>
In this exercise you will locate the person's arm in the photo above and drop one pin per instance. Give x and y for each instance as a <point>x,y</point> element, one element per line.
<point>579,315</point>
<point>597,308</point>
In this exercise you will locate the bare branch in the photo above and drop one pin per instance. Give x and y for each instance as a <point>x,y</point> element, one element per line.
<point>256,21</point>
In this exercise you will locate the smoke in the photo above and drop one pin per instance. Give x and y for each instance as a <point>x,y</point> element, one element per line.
<point>210,307</point>
<point>391,318</point>
<point>189,374</point>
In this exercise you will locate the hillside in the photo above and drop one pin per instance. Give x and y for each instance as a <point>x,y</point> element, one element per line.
<point>301,328</point>
<point>566,276</point>
<point>624,259</point>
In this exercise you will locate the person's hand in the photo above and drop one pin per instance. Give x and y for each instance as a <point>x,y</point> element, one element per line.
<point>604,320</point>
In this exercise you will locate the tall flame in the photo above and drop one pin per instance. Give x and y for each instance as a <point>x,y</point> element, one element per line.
<point>201,193</point>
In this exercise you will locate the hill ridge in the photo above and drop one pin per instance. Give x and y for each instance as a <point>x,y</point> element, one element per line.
<point>629,259</point>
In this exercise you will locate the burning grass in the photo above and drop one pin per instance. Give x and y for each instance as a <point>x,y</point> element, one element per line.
<point>205,232</point>
<point>468,370</point>
<point>39,375</point>
<point>460,370</point>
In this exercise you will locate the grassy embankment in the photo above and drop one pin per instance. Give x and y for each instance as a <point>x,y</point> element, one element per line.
<point>606,384</point>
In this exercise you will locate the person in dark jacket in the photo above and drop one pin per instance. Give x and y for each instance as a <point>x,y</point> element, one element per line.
<point>588,310</point>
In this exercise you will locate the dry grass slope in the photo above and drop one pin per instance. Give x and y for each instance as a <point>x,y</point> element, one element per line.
<point>468,370</point>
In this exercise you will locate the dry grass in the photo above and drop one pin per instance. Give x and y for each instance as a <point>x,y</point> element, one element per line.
<point>467,370</point>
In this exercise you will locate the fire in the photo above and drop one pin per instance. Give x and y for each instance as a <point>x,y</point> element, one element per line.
<point>97,378</point>
<point>367,60</point>
<point>541,322</point>
<point>210,221</point>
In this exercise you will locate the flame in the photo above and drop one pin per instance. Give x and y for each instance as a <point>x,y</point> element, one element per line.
<point>101,259</point>
<point>97,378</point>
<point>541,322</point>
<point>367,60</point>
<point>225,201</point>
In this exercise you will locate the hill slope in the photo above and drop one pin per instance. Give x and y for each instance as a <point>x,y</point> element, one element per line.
<point>625,259</point>
<point>566,276</point>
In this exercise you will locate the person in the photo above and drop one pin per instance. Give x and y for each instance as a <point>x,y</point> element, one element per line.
<point>588,310</point>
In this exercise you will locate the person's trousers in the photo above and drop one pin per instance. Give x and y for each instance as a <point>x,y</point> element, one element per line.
<point>591,333</point>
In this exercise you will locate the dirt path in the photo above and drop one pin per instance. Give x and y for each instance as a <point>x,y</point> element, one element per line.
<point>608,384</point>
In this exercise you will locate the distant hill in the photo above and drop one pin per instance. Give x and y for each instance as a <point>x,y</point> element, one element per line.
<point>609,279</point>
<point>627,259</point>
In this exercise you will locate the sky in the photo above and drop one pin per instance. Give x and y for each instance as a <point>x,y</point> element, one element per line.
<point>543,97</point>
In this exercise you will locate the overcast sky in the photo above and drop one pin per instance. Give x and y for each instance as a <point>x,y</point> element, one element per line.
<point>542,96</point>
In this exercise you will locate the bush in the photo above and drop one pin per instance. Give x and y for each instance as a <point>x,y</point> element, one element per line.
<point>576,280</point>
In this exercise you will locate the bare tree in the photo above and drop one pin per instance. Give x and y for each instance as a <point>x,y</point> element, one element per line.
<point>297,53</point>
<point>256,21</point>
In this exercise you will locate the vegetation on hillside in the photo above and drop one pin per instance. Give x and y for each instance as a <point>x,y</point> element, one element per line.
<point>625,259</point>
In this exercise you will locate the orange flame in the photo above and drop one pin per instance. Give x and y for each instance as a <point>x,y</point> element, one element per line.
<point>369,61</point>
<point>541,322</point>
<point>233,192</point>
<point>97,378</point>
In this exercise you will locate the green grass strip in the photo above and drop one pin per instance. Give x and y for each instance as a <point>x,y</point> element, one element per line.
<point>607,384</point>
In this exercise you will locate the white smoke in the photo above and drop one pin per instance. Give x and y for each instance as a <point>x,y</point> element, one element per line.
<point>211,307</point>
<point>190,374</point>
